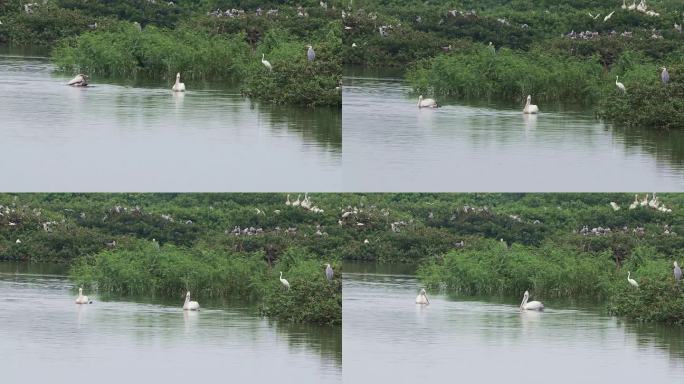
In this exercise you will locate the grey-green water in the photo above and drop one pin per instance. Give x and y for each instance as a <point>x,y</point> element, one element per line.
<point>490,146</point>
<point>121,135</point>
<point>46,338</point>
<point>389,339</point>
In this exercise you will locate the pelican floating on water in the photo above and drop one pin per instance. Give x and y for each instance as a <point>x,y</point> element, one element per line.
<point>190,305</point>
<point>178,86</point>
<point>422,297</point>
<point>426,103</point>
<point>82,299</point>
<point>80,80</point>
<point>530,108</point>
<point>532,305</point>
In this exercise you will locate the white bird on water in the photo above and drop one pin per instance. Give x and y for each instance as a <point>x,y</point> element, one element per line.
<point>426,103</point>
<point>422,297</point>
<point>285,282</point>
<point>80,80</point>
<point>532,305</point>
<point>265,62</point>
<point>82,299</point>
<point>178,86</point>
<point>631,281</point>
<point>620,85</point>
<point>530,108</point>
<point>190,305</point>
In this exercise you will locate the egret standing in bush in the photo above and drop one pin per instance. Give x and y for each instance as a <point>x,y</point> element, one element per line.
<point>677,272</point>
<point>329,272</point>
<point>178,86</point>
<point>265,62</point>
<point>620,85</point>
<point>285,282</point>
<point>310,54</point>
<point>665,76</point>
<point>631,281</point>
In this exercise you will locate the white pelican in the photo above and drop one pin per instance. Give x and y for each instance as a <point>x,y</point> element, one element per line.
<point>532,305</point>
<point>178,86</point>
<point>530,108</point>
<point>190,305</point>
<point>266,63</point>
<point>80,80</point>
<point>288,202</point>
<point>82,299</point>
<point>285,282</point>
<point>620,85</point>
<point>426,103</point>
<point>614,206</point>
<point>296,203</point>
<point>632,281</point>
<point>422,297</point>
<point>644,202</point>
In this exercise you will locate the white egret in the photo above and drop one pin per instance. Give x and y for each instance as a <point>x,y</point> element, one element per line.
<point>530,108</point>
<point>190,305</point>
<point>288,202</point>
<point>178,86</point>
<point>635,203</point>
<point>80,80</point>
<point>422,297</point>
<point>329,272</point>
<point>310,54</point>
<point>426,103</point>
<point>296,203</point>
<point>620,85</point>
<point>82,299</point>
<point>644,202</point>
<point>532,305</point>
<point>624,6</point>
<point>18,241</point>
<point>266,63</point>
<point>677,272</point>
<point>633,6</point>
<point>631,281</point>
<point>608,17</point>
<point>285,282</point>
<point>664,76</point>
<point>614,206</point>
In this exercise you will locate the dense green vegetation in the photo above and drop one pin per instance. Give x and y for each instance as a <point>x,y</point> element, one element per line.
<point>552,50</point>
<point>164,244</point>
<point>158,39</point>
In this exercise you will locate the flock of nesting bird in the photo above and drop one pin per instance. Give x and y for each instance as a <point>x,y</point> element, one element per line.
<point>82,80</point>
<point>306,203</point>
<point>190,305</point>
<point>653,202</point>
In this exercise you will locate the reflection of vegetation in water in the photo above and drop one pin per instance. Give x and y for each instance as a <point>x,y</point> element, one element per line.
<point>322,125</point>
<point>326,340</point>
<point>662,336</point>
<point>664,146</point>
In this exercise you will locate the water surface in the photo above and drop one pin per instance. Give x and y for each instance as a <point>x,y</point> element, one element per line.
<point>121,135</point>
<point>391,145</point>
<point>46,338</point>
<point>389,339</point>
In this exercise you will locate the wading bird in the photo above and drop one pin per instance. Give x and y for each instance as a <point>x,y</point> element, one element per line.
<point>631,281</point>
<point>329,272</point>
<point>677,272</point>
<point>532,305</point>
<point>265,62</point>
<point>530,108</point>
<point>664,76</point>
<point>190,305</point>
<point>178,86</point>
<point>285,282</point>
<point>82,299</point>
<point>310,54</point>
<point>426,103</point>
<point>422,297</point>
<point>80,80</point>
<point>620,85</point>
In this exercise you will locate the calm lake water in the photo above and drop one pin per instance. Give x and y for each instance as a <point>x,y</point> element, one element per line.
<point>493,147</point>
<point>389,339</point>
<point>46,338</point>
<point>125,136</point>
